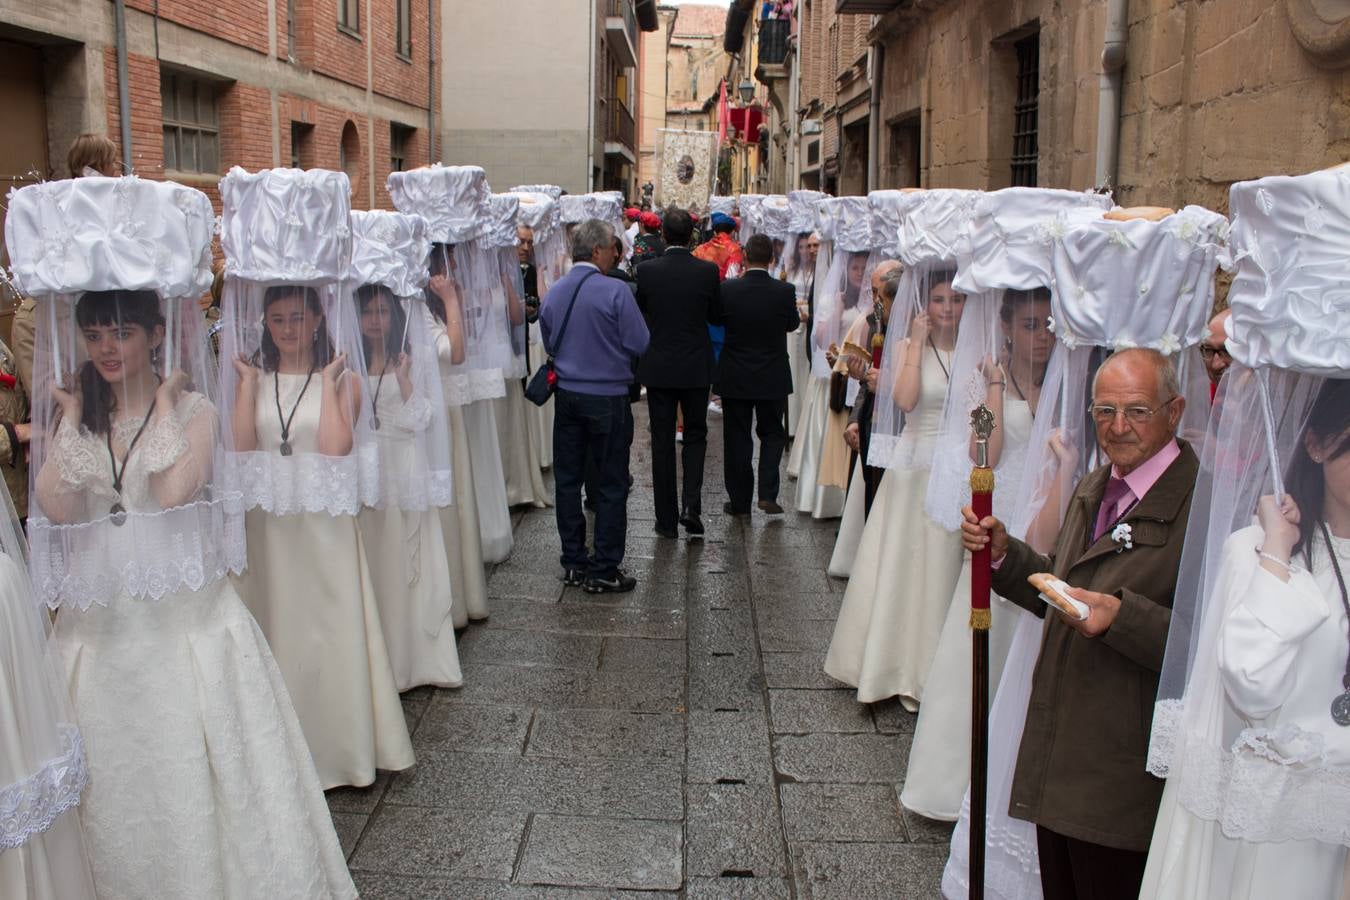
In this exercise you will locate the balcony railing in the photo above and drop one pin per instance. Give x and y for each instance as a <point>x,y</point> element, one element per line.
<point>773,41</point>
<point>622,128</point>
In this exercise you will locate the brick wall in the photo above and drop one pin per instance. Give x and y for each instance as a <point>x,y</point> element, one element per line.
<point>242,22</point>
<point>147,135</point>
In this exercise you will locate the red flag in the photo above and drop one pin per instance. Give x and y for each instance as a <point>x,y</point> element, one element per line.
<point>723,115</point>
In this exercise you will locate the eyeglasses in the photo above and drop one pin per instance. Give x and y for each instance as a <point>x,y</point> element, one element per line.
<point>1136,415</point>
<point>1208,353</point>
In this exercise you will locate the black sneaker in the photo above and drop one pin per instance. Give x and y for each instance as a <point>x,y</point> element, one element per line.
<point>692,524</point>
<point>574,577</point>
<point>663,531</point>
<point>618,583</point>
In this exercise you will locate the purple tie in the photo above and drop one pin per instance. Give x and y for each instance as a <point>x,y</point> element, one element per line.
<point>1116,490</point>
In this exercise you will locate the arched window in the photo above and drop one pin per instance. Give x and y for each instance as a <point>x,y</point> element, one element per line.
<point>349,154</point>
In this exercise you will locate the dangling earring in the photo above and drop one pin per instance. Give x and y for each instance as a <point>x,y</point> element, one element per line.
<point>1007,344</point>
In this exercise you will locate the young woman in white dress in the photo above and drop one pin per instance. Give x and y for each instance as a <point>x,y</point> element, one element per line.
<point>907,565</point>
<point>403,539</point>
<point>939,760</point>
<point>201,783</point>
<point>799,272</point>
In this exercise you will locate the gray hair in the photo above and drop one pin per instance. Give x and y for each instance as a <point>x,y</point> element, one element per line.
<point>1166,374</point>
<point>890,282</point>
<point>590,236</point>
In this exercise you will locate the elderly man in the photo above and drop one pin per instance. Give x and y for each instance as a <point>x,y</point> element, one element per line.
<point>1080,773</point>
<point>1214,352</point>
<point>593,330</point>
<point>858,432</point>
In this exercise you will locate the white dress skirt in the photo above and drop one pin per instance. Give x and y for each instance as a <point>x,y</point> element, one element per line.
<point>904,574</point>
<point>939,756</point>
<point>799,364</point>
<point>539,419</point>
<point>200,780</point>
<point>309,586</point>
<point>494,513</point>
<point>850,526</point>
<point>820,502</point>
<point>461,533</point>
<point>520,457</point>
<point>408,566</point>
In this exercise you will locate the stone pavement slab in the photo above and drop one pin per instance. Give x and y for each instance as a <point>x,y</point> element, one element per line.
<point>599,852</point>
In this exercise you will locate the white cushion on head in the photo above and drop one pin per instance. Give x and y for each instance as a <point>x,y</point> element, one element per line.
<point>552,191</point>
<point>1008,244</point>
<point>286,224</point>
<point>453,200</point>
<point>935,223</point>
<point>1134,282</point>
<point>888,215</point>
<point>852,224</point>
<point>827,217</point>
<point>775,216</point>
<point>505,209</point>
<point>537,211</point>
<point>606,206</point>
<point>391,249</point>
<point>99,234</point>
<point>1290,296</point>
<point>802,210</point>
<point>726,205</point>
<point>750,206</point>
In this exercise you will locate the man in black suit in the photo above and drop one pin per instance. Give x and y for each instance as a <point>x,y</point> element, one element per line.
<point>753,377</point>
<point>678,294</point>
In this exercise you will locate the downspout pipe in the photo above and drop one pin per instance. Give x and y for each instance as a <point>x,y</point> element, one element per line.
<point>1109,93</point>
<point>431,81</point>
<point>874,118</point>
<point>123,91</point>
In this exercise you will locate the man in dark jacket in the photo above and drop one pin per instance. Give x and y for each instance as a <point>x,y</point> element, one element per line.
<point>1081,773</point>
<point>678,294</point>
<point>753,377</point>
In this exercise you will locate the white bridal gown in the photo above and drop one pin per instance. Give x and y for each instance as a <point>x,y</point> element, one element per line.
<point>939,757</point>
<point>309,586</point>
<point>494,514</point>
<point>539,418</point>
<point>200,781</point>
<point>850,526</point>
<point>520,457</point>
<point>406,553</point>
<point>903,577</point>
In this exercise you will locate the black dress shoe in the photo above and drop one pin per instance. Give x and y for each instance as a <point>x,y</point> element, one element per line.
<point>574,577</point>
<point>733,511</point>
<point>692,524</point>
<point>662,531</point>
<point>771,507</point>
<point>618,583</point>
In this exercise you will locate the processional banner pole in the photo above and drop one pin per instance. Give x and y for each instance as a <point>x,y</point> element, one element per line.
<point>981,573</point>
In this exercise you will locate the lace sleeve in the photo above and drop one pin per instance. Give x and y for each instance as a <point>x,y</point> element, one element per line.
<point>76,456</point>
<point>178,456</point>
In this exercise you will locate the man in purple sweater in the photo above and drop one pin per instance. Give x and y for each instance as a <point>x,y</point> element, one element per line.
<point>593,353</point>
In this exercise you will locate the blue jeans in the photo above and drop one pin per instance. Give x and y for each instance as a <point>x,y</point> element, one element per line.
<point>598,429</point>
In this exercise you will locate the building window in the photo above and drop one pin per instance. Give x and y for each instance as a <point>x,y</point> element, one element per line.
<point>1025,141</point>
<point>403,28</point>
<point>813,154</point>
<point>349,155</point>
<point>301,145</point>
<point>400,138</point>
<point>349,16</point>
<point>191,124</point>
<point>290,30</point>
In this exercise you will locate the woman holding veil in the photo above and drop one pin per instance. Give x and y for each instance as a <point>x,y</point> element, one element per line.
<point>1252,725</point>
<point>200,782</point>
<point>302,450</point>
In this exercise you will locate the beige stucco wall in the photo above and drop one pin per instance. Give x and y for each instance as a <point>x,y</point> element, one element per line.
<point>1214,92</point>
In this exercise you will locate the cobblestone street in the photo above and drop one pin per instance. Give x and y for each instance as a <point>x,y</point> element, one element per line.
<point>680,739</point>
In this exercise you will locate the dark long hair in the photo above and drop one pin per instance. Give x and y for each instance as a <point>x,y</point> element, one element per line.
<point>440,265</point>
<point>395,339</point>
<point>322,346</point>
<point>1305,482</point>
<point>104,309</point>
<point>851,293</point>
<point>1014,298</point>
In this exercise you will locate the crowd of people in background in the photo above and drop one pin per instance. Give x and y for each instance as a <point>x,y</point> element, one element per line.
<point>260,498</point>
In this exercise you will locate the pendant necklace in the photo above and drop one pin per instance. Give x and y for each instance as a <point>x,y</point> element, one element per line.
<point>375,398</point>
<point>938,357</point>
<point>1340,707</point>
<point>118,512</point>
<point>286,420</point>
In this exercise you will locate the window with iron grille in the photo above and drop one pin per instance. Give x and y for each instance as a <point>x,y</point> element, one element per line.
<point>404,28</point>
<point>191,123</point>
<point>400,136</point>
<point>1025,111</point>
<point>813,153</point>
<point>349,16</point>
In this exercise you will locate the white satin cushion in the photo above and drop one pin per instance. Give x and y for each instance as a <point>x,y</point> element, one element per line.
<point>552,191</point>
<point>1291,295</point>
<point>453,200</point>
<point>95,234</point>
<point>827,217</point>
<point>725,205</point>
<point>537,211</point>
<point>934,225</point>
<point>853,224</point>
<point>802,210</point>
<point>505,209</point>
<point>392,249</point>
<point>1136,283</point>
<point>888,215</point>
<point>286,224</point>
<point>751,213</point>
<point>606,206</point>
<point>775,217</point>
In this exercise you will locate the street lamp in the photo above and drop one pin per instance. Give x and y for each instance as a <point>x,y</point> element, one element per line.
<point>747,91</point>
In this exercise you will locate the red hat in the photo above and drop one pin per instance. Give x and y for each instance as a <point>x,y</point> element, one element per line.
<point>632,213</point>
<point>650,220</point>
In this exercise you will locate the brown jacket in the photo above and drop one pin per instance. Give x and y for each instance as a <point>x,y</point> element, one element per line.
<point>1080,768</point>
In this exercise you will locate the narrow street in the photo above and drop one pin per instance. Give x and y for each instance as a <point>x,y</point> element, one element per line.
<point>678,739</point>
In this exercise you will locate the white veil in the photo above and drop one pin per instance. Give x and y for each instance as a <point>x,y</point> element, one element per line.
<point>751,220</point>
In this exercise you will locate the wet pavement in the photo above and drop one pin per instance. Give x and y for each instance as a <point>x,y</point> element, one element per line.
<point>681,739</point>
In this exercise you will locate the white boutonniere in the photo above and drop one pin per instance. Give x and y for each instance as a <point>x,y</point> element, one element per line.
<point>1123,535</point>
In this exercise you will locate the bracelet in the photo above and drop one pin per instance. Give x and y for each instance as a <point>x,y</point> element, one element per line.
<point>1287,566</point>
<point>914,364</point>
<point>997,383</point>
